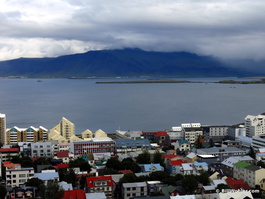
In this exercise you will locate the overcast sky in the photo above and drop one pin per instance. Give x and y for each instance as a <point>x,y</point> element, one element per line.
<point>48,28</point>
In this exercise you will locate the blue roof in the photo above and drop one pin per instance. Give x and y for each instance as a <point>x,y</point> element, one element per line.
<point>46,176</point>
<point>203,164</point>
<point>148,167</point>
<point>183,142</point>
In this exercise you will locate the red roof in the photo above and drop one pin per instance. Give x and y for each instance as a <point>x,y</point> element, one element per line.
<point>59,166</point>
<point>171,156</point>
<point>176,162</point>
<point>125,171</point>
<point>161,133</point>
<point>74,194</point>
<point>9,150</point>
<point>90,180</point>
<point>237,184</point>
<point>62,154</point>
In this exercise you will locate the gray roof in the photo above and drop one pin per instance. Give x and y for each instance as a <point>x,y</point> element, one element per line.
<point>218,149</point>
<point>134,184</point>
<point>46,176</point>
<point>234,159</point>
<point>253,167</point>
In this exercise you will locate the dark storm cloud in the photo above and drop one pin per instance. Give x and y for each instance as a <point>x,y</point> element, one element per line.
<point>225,29</point>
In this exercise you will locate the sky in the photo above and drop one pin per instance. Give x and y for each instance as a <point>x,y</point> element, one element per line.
<point>227,29</point>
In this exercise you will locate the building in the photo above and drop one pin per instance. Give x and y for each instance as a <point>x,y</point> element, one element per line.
<point>221,152</point>
<point>181,145</point>
<point>79,148</point>
<point>42,149</point>
<point>131,190</point>
<point>251,174</point>
<point>8,153</point>
<point>63,132</point>
<point>176,133</point>
<point>192,131</point>
<point>2,128</point>
<point>258,141</point>
<point>47,175</point>
<point>128,145</point>
<point>31,134</point>
<point>160,137</point>
<point>98,184</point>
<point>18,176</point>
<point>88,135</point>
<point>218,133</point>
<point>227,165</point>
<point>255,125</point>
<point>236,130</point>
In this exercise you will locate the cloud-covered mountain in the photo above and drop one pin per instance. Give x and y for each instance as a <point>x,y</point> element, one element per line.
<point>125,62</point>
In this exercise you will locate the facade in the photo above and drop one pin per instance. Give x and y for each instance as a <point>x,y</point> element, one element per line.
<point>47,175</point>
<point>42,149</point>
<point>251,174</point>
<point>128,145</point>
<point>182,145</point>
<point>131,190</point>
<point>176,133</point>
<point>88,135</point>
<point>98,184</point>
<point>31,134</point>
<point>227,165</point>
<point>255,125</point>
<point>79,148</point>
<point>8,153</point>
<point>258,141</point>
<point>63,132</point>
<point>235,131</point>
<point>218,133</point>
<point>192,131</point>
<point>2,128</point>
<point>18,176</point>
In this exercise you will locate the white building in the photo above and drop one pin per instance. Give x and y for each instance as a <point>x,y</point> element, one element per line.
<point>18,176</point>
<point>258,141</point>
<point>192,131</point>
<point>176,133</point>
<point>217,133</point>
<point>255,125</point>
<point>131,190</point>
<point>42,149</point>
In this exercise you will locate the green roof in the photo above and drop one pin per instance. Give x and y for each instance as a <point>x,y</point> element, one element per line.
<point>242,164</point>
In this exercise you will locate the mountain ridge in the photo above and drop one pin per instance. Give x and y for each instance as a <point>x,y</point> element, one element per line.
<point>122,63</point>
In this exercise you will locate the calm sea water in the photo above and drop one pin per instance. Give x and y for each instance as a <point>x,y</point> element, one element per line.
<point>109,107</point>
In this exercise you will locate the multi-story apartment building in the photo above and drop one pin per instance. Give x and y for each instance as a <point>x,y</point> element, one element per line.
<point>8,153</point>
<point>132,190</point>
<point>176,133</point>
<point>218,133</point>
<point>251,174</point>
<point>18,176</point>
<point>126,145</point>
<point>42,149</point>
<point>79,148</point>
<point>192,131</point>
<point>100,184</point>
<point>2,128</point>
<point>63,132</point>
<point>258,141</point>
<point>255,125</point>
<point>31,134</point>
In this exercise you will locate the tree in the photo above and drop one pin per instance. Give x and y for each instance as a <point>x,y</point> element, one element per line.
<point>70,177</point>
<point>144,158</point>
<point>114,163</point>
<point>53,190</point>
<point>158,158</point>
<point>129,164</point>
<point>3,192</point>
<point>39,184</point>
<point>190,183</point>
<point>81,163</point>
<point>203,178</point>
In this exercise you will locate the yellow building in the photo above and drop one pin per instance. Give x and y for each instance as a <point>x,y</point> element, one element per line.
<point>2,128</point>
<point>31,134</point>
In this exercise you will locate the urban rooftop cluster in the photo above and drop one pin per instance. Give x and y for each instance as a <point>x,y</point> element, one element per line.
<point>185,162</point>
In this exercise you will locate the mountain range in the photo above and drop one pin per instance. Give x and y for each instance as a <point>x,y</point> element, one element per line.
<point>122,63</point>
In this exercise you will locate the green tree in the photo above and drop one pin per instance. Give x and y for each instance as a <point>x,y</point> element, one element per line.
<point>26,162</point>
<point>70,177</point>
<point>144,158</point>
<point>110,172</point>
<point>39,184</point>
<point>190,184</point>
<point>158,158</point>
<point>81,163</point>
<point>53,191</point>
<point>204,178</point>
<point>3,192</point>
<point>130,164</point>
<point>114,163</point>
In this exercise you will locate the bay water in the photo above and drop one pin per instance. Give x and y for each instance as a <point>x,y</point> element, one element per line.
<point>143,106</point>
